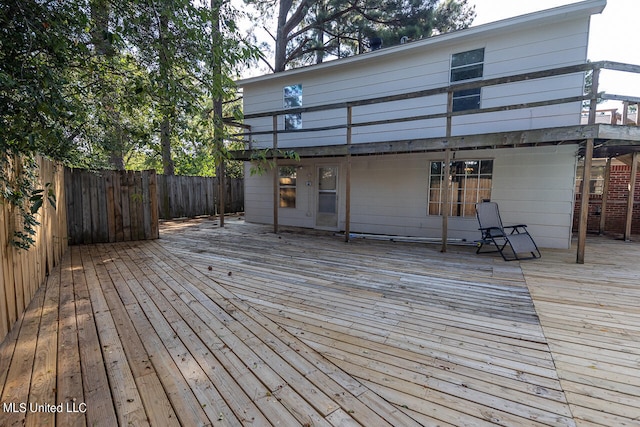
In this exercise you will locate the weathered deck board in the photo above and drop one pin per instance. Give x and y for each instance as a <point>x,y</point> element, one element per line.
<point>100,410</point>
<point>20,371</point>
<point>238,326</point>
<point>591,317</point>
<point>69,377</point>
<point>303,296</point>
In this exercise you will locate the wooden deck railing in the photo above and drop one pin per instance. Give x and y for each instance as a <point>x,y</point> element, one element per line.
<point>447,112</point>
<point>21,271</point>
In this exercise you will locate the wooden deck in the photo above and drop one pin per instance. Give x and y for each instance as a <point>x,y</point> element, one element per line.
<point>238,326</point>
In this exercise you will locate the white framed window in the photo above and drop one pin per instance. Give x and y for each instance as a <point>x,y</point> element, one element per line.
<point>466,66</point>
<point>293,99</point>
<point>287,179</point>
<point>596,181</point>
<point>470,183</point>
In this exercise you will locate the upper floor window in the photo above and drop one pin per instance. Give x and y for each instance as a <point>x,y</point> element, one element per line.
<point>293,99</point>
<point>467,66</point>
<point>470,183</point>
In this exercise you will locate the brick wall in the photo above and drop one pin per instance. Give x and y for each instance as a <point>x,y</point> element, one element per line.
<point>616,204</point>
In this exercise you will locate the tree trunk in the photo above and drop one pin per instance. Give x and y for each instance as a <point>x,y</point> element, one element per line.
<point>282,35</point>
<point>165,143</point>
<point>100,10</point>
<point>166,110</point>
<point>218,129</point>
<point>321,13</point>
<point>286,24</point>
<point>100,15</point>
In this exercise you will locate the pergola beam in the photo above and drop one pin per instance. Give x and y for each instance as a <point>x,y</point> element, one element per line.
<point>557,135</point>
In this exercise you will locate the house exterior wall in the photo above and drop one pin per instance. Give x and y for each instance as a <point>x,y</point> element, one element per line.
<point>389,192</point>
<point>523,49</point>
<point>534,186</point>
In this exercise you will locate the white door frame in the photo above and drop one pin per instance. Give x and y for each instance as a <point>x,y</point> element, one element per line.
<point>327,220</point>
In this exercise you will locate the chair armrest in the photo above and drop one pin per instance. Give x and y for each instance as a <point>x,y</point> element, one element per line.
<point>517,229</point>
<point>488,228</point>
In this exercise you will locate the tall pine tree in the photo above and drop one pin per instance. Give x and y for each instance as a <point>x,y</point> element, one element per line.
<point>309,31</point>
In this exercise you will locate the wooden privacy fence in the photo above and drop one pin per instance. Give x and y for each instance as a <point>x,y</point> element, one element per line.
<point>111,206</point>
<point>95,207</point>
<point>21,271</point>
<point>191,196</point>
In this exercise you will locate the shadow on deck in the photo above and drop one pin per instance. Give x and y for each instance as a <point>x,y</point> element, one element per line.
<point>238,326</point>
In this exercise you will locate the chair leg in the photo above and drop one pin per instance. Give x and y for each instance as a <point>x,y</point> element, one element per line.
<point>489,240</point>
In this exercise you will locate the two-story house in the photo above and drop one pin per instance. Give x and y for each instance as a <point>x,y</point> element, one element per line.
<point>392,140</point>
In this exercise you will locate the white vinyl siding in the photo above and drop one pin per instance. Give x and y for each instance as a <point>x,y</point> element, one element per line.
<point>532,185</point>
<point>529,49</point>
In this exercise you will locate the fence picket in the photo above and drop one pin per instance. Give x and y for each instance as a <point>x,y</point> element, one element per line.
<point>191,196</point>
<point>21,271</point>
<point>110,206</point>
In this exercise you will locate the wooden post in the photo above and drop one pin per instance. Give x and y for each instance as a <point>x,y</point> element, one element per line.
<point>449,111</point>
<point>625,112</point>
<point>445,199</point>
<point>586,176</point>
<point>447,176</point>
<point>632,193</point>
<point>276,190</point>
<point>347,219</point>
<point>584,201</point>
<point>153,197</point>
<point>605,192</point>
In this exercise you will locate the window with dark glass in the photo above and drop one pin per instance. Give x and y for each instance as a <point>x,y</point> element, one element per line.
<point>287,182</point>
<point>467,66</point>
<point>470,183</point>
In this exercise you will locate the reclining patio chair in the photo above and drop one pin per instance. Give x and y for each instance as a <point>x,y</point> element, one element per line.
<point>515,245</point>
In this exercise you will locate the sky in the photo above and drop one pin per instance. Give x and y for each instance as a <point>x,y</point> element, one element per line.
<point>612,35</point>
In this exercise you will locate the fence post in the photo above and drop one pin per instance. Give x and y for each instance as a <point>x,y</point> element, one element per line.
<point>153,197</point>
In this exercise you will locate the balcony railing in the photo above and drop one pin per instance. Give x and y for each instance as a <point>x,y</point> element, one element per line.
<point>589,98</point>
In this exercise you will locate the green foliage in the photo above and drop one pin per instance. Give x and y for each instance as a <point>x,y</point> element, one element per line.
<point>40,43</point>
<point>18,188</point>
<point>38,198</point>
<point>104,83</point>
<point>263,160</point>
